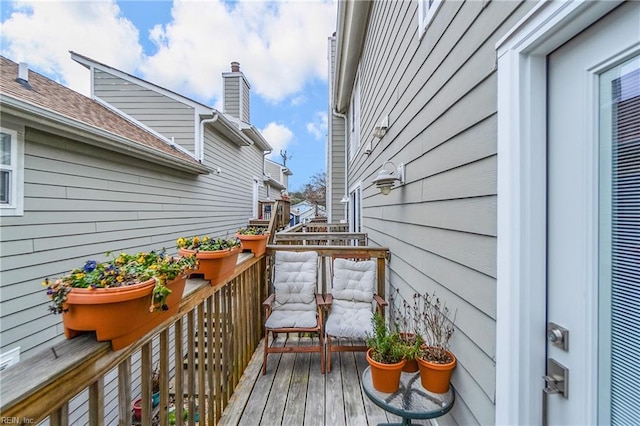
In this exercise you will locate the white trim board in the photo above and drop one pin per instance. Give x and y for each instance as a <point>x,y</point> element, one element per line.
<point>521,246</point>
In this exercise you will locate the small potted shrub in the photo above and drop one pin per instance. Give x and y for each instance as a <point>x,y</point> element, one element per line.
<point>436,361</point>
<point>253,238</point>
<point>386,356</point>
<point>216,257</point>
<point>121,299</point>
<point>406,320</point>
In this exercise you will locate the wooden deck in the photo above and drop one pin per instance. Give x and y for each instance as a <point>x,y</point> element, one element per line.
<point>294,392</point>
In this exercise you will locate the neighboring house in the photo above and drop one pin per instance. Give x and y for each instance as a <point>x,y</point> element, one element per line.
<point>276,179</point>
<point>83,176</point>
<point>305,211</point>
<point>193,125</point>
<point>517,128</point>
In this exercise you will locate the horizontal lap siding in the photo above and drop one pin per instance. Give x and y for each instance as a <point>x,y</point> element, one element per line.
<point>440,95</point>
<point>81,202</point>
<point>166,116</point>
<point>336,152</point>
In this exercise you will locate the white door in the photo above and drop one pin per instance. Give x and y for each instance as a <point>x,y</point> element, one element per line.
<point>593,232</point>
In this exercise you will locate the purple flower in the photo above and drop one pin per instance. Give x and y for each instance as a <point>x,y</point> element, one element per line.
<point>90,266</point>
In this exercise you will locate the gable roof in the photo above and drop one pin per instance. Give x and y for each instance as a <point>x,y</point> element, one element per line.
<point>237,131</point>
<point>71,111</point>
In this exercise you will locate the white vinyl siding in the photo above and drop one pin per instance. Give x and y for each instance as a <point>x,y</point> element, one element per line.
<point>11,172</point>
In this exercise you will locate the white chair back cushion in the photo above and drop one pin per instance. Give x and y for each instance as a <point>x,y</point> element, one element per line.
<point>354,281</point>
<point>295,281</point>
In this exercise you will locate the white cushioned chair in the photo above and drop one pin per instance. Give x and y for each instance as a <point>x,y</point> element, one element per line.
<point>350,304</point>
<point>294,306</point>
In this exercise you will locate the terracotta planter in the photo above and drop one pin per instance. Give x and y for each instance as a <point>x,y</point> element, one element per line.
<point>256,243</point>
<point>216,266</point>
<point>436,377</point>
<point>119,314</point>
<point>411,366</point>
<point>385,377</point>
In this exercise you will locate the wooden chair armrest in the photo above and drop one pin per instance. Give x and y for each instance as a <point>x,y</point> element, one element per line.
<point>269,300</point>
<point>328,299</point>
<point>379,300</point>
<point>320,300</point>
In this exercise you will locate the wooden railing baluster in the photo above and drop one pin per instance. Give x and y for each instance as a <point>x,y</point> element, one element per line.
<point>146,362</point>
<point>164,375</point>
<point>96,402</point>
<point>178,380</point>
<point>124,392</point>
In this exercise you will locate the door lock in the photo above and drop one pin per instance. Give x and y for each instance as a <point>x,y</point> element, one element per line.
<point>558,336</point>
<point>557,379</point>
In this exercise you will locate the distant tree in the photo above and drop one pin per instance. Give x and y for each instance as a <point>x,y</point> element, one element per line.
<point>315,191</point>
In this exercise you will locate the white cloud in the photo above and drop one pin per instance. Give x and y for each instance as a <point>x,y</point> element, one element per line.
<point>280,46</point>
<point>279,136</point>
<point>42,33</point>
<point>318,127</point>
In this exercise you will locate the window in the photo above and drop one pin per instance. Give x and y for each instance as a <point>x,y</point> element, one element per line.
<point>354,120</point>
<point>11,173</point>
<point>355,208</point>
<point>426,11</point>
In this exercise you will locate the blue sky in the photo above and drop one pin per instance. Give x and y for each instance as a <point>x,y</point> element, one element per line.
<point>185,46</point>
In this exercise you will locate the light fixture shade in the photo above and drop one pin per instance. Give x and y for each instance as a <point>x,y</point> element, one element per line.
<point>387,178</point>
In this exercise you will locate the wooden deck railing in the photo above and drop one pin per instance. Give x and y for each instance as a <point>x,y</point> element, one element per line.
<point>333,234</point>
<point>201,352</point>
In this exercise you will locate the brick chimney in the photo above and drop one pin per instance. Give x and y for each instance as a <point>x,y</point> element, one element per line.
<point>236,93</point>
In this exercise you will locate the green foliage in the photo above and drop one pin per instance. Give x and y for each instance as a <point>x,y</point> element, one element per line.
<point>387,347</point>
<point>123,270</point>
<point>207,243</point>
<point>252,230</point>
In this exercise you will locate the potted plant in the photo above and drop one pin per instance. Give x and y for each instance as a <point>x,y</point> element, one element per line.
<point>386,356</point>
<point>121,299</point>
<point>436,361</point>
<point>253,238</point>
<point>155,386</point>
<point>216,257</point>
<point>406,320</point>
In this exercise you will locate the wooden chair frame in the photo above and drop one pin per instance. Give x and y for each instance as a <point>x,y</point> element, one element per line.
<point>318,328</point>
<point>380,305</point>
<point>287,349</point>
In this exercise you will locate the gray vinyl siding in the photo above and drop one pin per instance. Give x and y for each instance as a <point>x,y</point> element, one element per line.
<point>440,93</point>
<point>272,170</point>
<point>81,201</point>
<point>246,105</point>
<point>167,116</point>
<point>232,96</point>
<point>336,172</point>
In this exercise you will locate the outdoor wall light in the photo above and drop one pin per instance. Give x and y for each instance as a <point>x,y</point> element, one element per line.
<point>345,199</point>
<point>381,128</point>
<point>387,177</point>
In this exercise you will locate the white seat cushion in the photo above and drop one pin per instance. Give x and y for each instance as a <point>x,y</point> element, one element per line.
<point>295,281</point>
<point>353,281</point>
<point>292,319</point>
<point>350,319</point>
<point>352,291</point>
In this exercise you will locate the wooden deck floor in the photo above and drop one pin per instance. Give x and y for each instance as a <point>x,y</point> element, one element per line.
<point>294,392</point>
